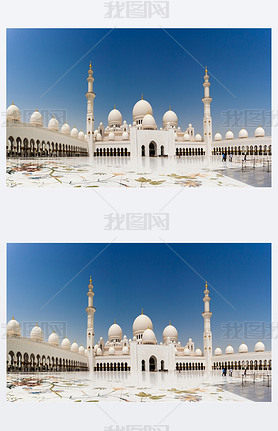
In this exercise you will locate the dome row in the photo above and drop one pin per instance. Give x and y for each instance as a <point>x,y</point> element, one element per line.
<point>36,119</point>
<point>259,133</point>
<point>36,334</point>
<point>259,347</point>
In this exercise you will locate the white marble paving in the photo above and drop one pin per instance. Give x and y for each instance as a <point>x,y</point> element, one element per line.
<point>146,172</point>
<point>120,387</point>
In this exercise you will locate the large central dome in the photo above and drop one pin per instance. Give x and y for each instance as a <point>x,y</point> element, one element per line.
<point>140,109</point>
<point>141,323</point>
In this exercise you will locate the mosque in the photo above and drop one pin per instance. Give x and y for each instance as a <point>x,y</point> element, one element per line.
<point>142,138</point>
<point>142,353</point>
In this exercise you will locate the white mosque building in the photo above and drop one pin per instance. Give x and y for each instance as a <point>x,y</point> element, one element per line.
<point>142,353</point>
<point>142,138</point>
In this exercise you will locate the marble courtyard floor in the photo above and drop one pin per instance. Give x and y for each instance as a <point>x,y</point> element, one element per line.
<point>124,386</point>
<point>196,171</point>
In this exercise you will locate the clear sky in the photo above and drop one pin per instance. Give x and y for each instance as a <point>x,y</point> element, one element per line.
<point>127,277</point>
<point>128,62</point>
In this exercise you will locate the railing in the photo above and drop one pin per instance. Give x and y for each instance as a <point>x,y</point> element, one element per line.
<point>254,163</point>
<point>252,378</point>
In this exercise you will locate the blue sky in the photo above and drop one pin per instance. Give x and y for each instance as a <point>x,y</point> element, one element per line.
<point>128,62</point>
<point>127,277</point>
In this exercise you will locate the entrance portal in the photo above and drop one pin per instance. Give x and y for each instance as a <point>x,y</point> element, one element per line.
<point>152,363</point>
<point>152,149</point>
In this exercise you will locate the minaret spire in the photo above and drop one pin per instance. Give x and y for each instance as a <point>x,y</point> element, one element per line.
<point>90,95</point>
<point>207,126</point>
<point>90,310</point>
<point>207,335</point>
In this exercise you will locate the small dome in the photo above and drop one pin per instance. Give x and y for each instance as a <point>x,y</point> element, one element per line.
<point>74,347</point>
<point>171,118</point>
<point>134,338</point>
<point>81,350</point>
<point>66,343</point>
<point>229,135</point>
<point>81,135</point>
<point>95,132</point>
<point>149,123</point>
<point>198,138</point>
<point>36,333</point>
<point>99,137</point>
<point>111,136</point>
<point>243,134</point>
<point>148,337</point>
<point>13,328</point>
<point>218,137</point>
<point>176,136</point>
<point>198,352</point>
<point>217,351</point>
<point>86,352</point>
<point>176,351</point>
<point>36,119</point>
<point>243,348</point>
<point>74,132</point>
<point>96,347</point>
<point>186,136</point>
<point>186,351</point>
<point>259,346</point>
<point>115,333</point>
<point>53,339</point>
<point>171,332</point>
<point>13,113</point>
<point>125,350</point>
<point>140,109</point>
<point>229,350</point>
<point>111,351</point>
<point>141,323</point>
<point>99,351</point>
<point>65,129</point>
<point>53,124</point>
<point>259,132</point>
<point>125,136</point>
<point>115,118</point>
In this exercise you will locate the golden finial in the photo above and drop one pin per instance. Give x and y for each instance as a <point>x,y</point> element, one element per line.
<point>206,70</point>
<point>206,286</point>
<point>170,108</point>
<point>142,96</point>
<point>36,109</point>
<point>90,65</point>
<point>169,322</point>
<point>90,279</point>
<point>53,116</point>
<point>53,331</point>
<point>142,311</point>
<point>13,317</point>
<point>114,320</point>
<point>114,106</point>
<point>36,323</point>
<point>12,102</point>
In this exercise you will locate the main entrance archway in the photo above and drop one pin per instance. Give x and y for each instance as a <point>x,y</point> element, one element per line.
<point>152,149</point>
<point>152,363</point>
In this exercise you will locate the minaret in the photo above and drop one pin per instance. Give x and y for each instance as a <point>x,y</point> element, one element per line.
<point>90,95</point>
<point>207,118</point>
<point>207,332</point>
<point>90,310</point>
